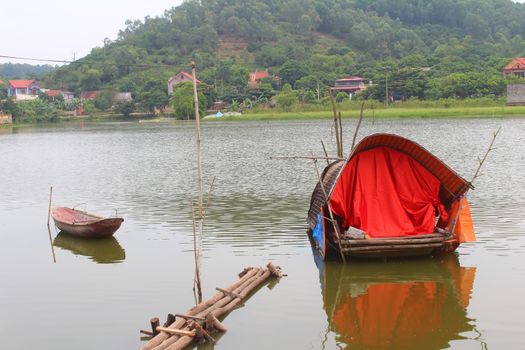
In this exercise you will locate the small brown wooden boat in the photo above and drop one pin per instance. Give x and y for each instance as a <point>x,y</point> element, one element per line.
<point>83,224</point>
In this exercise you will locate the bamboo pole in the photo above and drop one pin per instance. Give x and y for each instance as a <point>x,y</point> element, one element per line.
<point>481,161</point>
<point>325,153</point>
<point>358,125</point>
<point>48,227</point>
<point>340,133</point>
<point>336,124</point>
<point>51,243</point>
<point>307,157</point>
<point>176,331</point>
<point>197,276</point>
<point>199,177</point>
<point>49,206</point>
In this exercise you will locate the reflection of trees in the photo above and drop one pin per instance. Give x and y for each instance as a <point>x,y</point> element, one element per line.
<point>397,305</point>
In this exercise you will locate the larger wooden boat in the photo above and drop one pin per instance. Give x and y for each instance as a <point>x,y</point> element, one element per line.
<point>83,224</point>
<point>390,198</point>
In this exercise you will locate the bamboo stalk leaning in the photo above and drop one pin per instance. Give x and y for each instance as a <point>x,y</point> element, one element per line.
<point>199,179</point>
<point>358,125</point>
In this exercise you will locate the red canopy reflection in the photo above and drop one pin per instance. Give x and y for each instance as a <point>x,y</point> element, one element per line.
<point>399,305</point>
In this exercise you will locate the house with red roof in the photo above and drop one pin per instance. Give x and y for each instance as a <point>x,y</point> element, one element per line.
<point>515,67</point>
<point>349,85</point>
<point>66,95</point>
<point>254,78</point>
<point>516,90</point>
<point>180,77</point>
<point>23,89</point>
<point>89,95</point>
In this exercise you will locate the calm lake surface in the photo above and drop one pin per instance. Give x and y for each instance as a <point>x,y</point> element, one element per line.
<point>99,294</point>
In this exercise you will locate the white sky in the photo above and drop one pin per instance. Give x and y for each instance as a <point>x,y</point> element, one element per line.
<point>60,29</point>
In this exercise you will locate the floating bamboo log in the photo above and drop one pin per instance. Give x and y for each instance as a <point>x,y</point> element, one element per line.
<point>202,319</point>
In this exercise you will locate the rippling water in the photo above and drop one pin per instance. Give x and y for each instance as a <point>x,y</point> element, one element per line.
<point>99,294</point>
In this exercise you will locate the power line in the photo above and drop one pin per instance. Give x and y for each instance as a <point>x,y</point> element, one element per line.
<point>157,65</point>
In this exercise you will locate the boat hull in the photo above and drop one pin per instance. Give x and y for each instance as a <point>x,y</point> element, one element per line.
<point>82,224</point>
<point>396,247</point>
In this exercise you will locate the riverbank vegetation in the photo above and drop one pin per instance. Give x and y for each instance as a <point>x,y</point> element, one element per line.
<point>407,50</point>
<point>426,50</point>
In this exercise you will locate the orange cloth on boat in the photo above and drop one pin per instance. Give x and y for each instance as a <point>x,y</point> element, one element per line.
<point>464,228</point>
<point>386,193</point>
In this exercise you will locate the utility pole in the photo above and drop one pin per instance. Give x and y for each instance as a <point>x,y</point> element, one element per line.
<point>386,88</point>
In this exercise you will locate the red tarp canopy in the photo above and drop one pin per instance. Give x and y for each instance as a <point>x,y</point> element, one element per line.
<point>387,193</point>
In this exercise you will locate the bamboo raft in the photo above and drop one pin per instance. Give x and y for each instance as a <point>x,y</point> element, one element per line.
<point>201,321</point>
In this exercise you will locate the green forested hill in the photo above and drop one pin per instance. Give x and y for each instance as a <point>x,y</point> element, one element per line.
<point>426,48</point>
<point>23,71</point>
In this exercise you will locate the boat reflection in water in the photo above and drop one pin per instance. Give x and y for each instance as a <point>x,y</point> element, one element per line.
<point>416,304</point>
<point>104,250</point>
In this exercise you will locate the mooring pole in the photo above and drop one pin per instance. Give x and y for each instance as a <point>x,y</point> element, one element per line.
<point>49,207</point>
<point>199,178</point>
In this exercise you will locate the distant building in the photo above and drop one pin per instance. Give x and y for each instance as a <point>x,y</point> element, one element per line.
<point>66,95</point>
<point>254,78</point>
<point>122,97</point>
<point>516,94</point>
<point>179,78</point>
<point>89,95</point>
<point>515,67</point>
<point>23,89</point>
<point>218,106</point>
<point>349,85</point>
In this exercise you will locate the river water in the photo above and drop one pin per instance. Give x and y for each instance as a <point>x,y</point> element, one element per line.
<point>98,294</point>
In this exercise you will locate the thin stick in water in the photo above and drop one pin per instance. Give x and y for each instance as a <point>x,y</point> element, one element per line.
<point>340,134</point>
<point>325,153</point>
<point>476,174</point>
<point>358,125</point>
<point>51,243</point>
<point>306,157</point>
<point>197,279</point>
<point>49,207</point>
<point>336,124</point>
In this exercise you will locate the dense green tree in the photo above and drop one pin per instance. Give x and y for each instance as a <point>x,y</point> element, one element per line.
<point>104,100</point>
<point>291,71</point>
<point>287,97</point>
<point>183,103</point>
<point>36,110</point>
<point>125,108</point>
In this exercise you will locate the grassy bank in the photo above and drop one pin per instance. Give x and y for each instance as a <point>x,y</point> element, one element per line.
<point>389,113</point>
